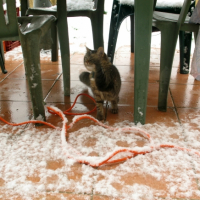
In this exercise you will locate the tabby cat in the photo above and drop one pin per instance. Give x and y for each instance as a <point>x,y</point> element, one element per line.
<point>104,80</point>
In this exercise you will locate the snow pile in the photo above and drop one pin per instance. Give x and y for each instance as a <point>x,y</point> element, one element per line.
<point>73,5</point>
<point>160,3</point>
<point>14,55</point>
<point>32,162</point>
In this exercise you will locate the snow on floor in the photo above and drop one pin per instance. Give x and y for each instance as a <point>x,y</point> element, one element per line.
<point>27,155</point>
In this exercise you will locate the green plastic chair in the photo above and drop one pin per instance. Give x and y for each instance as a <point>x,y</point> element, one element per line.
<point>2,61</point>
<point>121,11</point>
<point>95,15</point>
<point>170,25</point>
<point>28,30</point>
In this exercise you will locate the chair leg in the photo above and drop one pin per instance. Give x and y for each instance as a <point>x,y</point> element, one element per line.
<point>24,7</point>
<point>185,47</point>
<point>54,46</point>
<point>64,44</point>
<point>132,33</point>
<point>111,39</point>
<point>143,15</point>
<point>2,63</point>
<point>31,53</point>
<point>166,60</point>
<point>121,11</point>
<point>97,30</point>
<point>97,25</point>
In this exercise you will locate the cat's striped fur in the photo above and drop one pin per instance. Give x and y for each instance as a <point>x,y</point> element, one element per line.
<point>103,78</point>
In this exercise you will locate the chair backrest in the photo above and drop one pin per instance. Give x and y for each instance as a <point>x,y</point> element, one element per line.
<point>184,12</point>
<point>95,4</point>
<point>8,20</point>
<point>43,3</point>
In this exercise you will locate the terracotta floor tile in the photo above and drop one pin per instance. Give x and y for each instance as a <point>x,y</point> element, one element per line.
<point>57,94</point>
<point>19,91</point>
<point>19,73</point>
<point>155,58</point>
<point>154,73</point>
<point>126,73</point>
<point>177,78</point>
<point>190,121</point>
<point>75,71</point>
<point>121,181</point>
<point>185,95</point>
<point>100,197</point>
<point>46,59</point>
<point>51,71</point>
<point>58,177</point>
<point>77,58</point>
<point>168,118</point>
<point>189,117</point>
<point>10,68</point>
<point>62,196</point>
<point>73,174</point>
<point>124,113</point>
<point>15,112</point>
<point>124,49</point>
<point>124,59</point>
<point>152,98</point>
<point>50,170</point>
<point>4,195</point>
<point>57,121</point>
<point>126,95</point>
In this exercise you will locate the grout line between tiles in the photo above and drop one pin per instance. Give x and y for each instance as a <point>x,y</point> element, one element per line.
<point>57,79</point>
<point>175,108</point>
<point>11,72</point>
<point>18,101</point>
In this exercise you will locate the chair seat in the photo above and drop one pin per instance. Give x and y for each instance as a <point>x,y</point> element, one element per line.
<point>169,3</point>
<point>93,9</point>
<point>73,5</point>
<point>160,3</point>
<point>34,23</point>
<point>162,16</point>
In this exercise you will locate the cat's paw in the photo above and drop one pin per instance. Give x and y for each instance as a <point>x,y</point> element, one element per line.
<point>114,110</point>
<point>100,117</point>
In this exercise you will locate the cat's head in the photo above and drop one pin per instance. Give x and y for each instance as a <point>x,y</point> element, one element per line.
<point>92,57</point>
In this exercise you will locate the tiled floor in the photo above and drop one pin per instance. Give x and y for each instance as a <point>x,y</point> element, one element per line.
<point>183,112</point>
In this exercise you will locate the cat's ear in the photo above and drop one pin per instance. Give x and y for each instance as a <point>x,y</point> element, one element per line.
<point>100,51</point>
<point>87,49</point>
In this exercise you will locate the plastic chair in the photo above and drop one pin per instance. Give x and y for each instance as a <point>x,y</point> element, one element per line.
<point>28,30</point>
<point>170,25</point>
<point>121,11</point>
<point>95,15</point>
<point>2,63</point>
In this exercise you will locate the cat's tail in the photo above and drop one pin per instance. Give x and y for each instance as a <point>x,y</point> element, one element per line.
<point>85,78</point>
